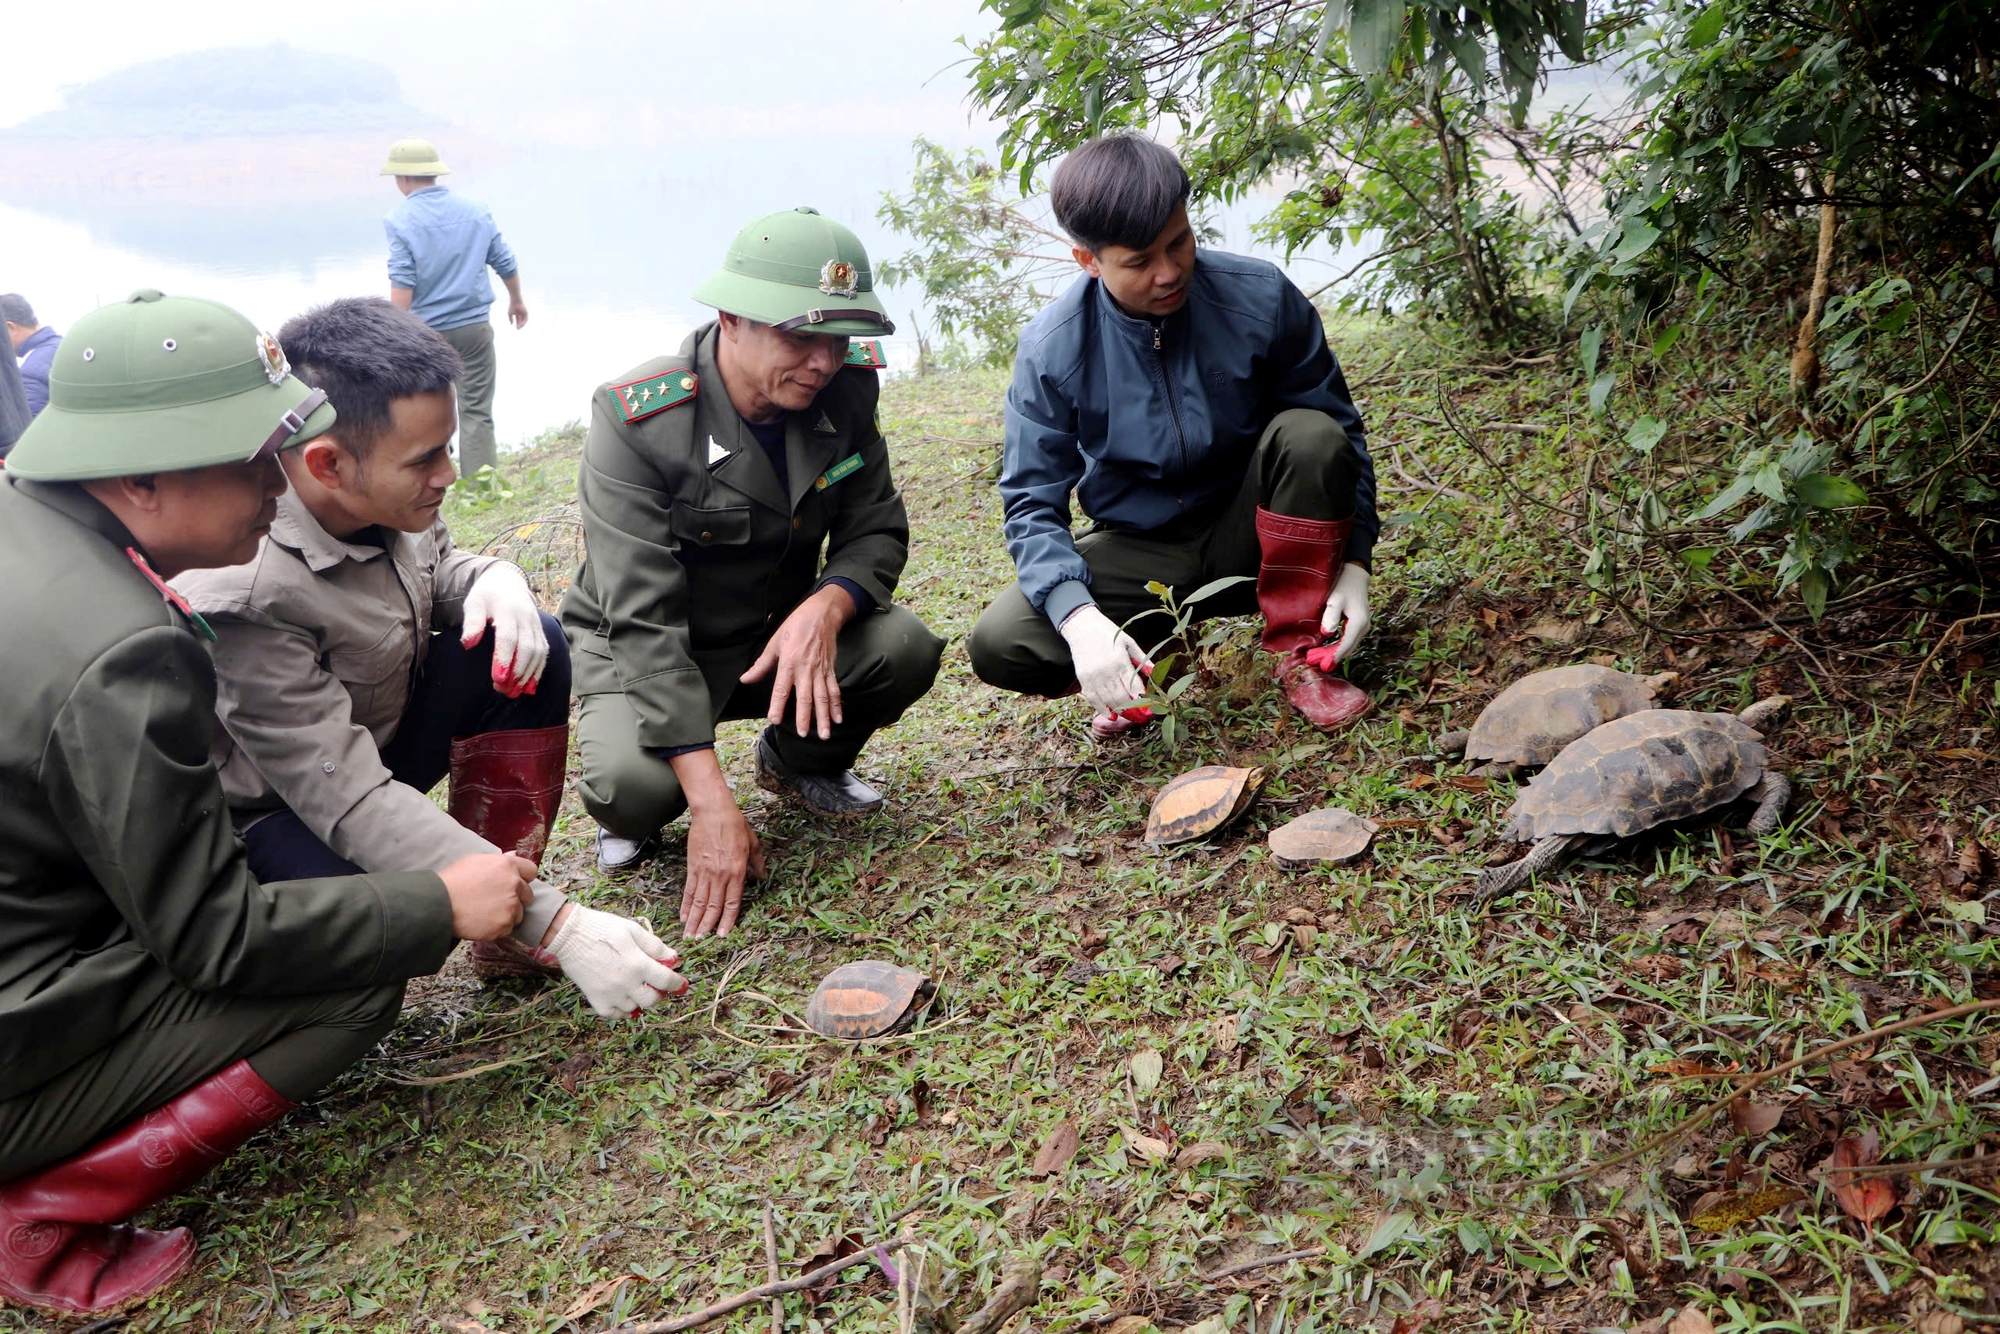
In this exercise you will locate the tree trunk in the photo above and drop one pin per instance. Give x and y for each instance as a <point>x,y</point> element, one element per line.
<point>1805,351</point>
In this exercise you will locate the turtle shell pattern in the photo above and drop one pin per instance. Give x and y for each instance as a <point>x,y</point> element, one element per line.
<point>1200,802</point>
<point>866,999</point>
<point>1642,770</point>
<point>1529,721</point>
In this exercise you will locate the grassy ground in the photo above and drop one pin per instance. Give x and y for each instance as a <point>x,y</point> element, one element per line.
<point>1379,1062</point>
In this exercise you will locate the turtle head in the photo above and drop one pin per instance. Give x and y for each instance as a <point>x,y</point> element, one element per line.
<point>1661,685</point>
<point>1765,710</point>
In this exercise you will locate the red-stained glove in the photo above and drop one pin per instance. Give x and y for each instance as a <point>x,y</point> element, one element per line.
<point>1324,658</point>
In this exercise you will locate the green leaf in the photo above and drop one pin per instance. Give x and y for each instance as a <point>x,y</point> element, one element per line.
<point>1588,345</point>
<point>1147,1066</point>
<point>1472,1235</point>
<point>1769,480</point>
<point>1813,586</point>
<point>1391,1229</point>
<point>1706,27</point>
<point>1698,558</point>
<point>1332,20</point>
<point>1971,911</point>
<point>1374,32</point>
<point>1600,389</point>
<point>1645,433</point>
<point>1214,586</point>
<point>1635,240</point>
<point>1726,499</point>
<point>1827,492</point>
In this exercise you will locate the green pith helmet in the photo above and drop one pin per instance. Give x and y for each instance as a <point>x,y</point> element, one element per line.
<point>164,384</point>
<point>798,270</point>
<point>413,157</point>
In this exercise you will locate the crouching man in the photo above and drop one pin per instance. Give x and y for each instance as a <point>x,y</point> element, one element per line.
<point>711,481</point>
<point>362,656</point>
<point>1189,400</point>
<point>159,1005</point>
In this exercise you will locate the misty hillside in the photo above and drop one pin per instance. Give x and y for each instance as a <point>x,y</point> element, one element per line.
<point>274,89</point>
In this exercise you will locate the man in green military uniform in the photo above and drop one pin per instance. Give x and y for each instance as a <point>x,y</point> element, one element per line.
<point>158,1006</point>
<point>711,480</point>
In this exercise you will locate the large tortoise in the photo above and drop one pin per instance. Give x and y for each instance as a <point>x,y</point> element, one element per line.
<point>1528,722</point>
<point>1639,771</point>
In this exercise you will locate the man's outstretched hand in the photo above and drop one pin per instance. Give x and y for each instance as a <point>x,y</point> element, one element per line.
<point>618,964</point>
<point>722,848</point>
<point>1346,615</point>
<point>802,654</point>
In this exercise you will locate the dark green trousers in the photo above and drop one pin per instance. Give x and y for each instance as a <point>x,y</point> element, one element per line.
<point>884,661</point>
<point>476,446</point>
<point>1303,466</point>
<point>296,1044</point>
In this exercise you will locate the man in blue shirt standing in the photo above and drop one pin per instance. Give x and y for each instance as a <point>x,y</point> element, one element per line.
<point>34,344</point>
<point>1187,398</point>
<point>440,246</point>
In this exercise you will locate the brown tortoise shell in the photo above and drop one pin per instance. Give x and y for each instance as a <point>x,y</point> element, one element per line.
<point>1200,802</point>
<point>866,999</point>
<point>1529,721</point>
<point>1639,771</point>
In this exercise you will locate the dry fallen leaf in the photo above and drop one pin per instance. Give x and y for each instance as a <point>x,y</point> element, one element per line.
<point>1305,937</point>
<point>1152,1150</point>
<point>1698,1069</point>
<point>1941,1322</point>
<point>1690,1321</point>
<point>1170,965</point>
<point>596,1295</point>
<point>1147,1066</point>
<point>1467,782</point>
<point>1056,1151</point>
<point>1963,753</point>
<point>1201,1151</point>
<point>1419,780</point>
<point>1753,1118</point>
<point>1222,1031</point>
<point>1735,1210</point>
<point>1413,1320</point>
<point>1132,1324</point>
<point>1866,1198</point>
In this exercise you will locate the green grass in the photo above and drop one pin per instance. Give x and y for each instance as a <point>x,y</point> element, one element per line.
<point>1384,1061</point>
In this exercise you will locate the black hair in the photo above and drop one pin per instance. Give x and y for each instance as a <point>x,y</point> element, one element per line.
<point>1119,189</point>
<point>366,353</point>
<point>14,309</point>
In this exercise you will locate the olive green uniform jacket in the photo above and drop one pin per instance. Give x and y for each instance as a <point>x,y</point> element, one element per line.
<point>694,552</point>
<point>120,877</point>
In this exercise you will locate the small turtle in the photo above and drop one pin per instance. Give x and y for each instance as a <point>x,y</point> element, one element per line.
<point>1328,835</point>
<point>1200,802</point>
<point>867,999</point>
<point>1528,722</point>
<point>1642,770</point>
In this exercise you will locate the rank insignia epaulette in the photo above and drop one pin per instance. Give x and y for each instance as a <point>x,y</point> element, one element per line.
<point>640,399</point>
<point>866,352</point>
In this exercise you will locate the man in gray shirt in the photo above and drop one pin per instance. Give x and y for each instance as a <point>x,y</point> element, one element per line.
<point>440,246</point>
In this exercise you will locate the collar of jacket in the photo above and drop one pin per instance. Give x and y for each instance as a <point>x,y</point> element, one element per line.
<point>37,339</point>
<point>70,500</point>
<point>1136,327</point>
<point>296,528</point>
<point>807,453</point>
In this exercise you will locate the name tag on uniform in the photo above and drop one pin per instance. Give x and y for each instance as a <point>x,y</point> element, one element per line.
<point>848,465</point>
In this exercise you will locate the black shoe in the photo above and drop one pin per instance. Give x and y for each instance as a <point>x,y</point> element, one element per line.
<point>619,857</point>
<point>839,796</point>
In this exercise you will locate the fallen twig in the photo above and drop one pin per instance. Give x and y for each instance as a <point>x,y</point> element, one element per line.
<point>488,1068</point>
<point>1743,1086</point>
<point>1020,1287</point>
<point>717,1310</point>
<point>771,1268</point>
<point>1264,1263</point>
<point>1943,640</point>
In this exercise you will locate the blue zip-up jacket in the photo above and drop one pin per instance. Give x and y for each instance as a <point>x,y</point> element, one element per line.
<point>37,354</point>
<point>1148,422</point>
<point>440,246</point>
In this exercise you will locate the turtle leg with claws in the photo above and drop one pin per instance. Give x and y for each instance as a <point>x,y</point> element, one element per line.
<point>1502,879</point>
<point>1771,792</point>
<point>1453,743</point>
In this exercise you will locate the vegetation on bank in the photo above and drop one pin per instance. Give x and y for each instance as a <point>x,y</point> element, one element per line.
<point>1358,1066</point>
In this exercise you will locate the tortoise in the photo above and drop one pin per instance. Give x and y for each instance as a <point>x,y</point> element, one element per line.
<point>1200,802</point>
<point>1326,835</point>
<point>867,999</point>
<point>1642,770</point>
<point>1528,722</point>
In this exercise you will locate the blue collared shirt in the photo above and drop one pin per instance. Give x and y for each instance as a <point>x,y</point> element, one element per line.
<point>440,246</point>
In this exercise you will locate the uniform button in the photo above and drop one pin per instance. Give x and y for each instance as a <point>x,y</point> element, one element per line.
<point>798,521</point>
<point>708,537</point>
<point>329,766</point>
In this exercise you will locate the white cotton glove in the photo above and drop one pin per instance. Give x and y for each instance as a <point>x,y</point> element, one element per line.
<point>1107,660</point>
<point>500,596</point>
<point>1347,602</point>
<point>618,964</point>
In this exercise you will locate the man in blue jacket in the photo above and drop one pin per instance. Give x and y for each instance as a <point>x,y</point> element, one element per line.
<point>34,344</point>
<point>1187,396</point>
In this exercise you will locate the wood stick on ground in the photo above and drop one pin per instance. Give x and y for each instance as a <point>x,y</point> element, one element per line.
<point>1944,641</point>
<point>1743,1086</point>
<point>728,1305</point>
<point>1264,1263</point>
<point>1020,1287</point>
<point>771,1268</point>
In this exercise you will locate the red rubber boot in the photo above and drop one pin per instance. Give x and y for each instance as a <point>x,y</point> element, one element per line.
<point>63,1246</point>
<point>506,788</point>
<point>1293,581</point>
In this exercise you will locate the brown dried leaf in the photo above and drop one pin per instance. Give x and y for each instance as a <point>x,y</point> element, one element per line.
<point>1413,1320</point>
<point>1152,1150</point>
<point>1419,780</point>
<point>1866,1198</point>
<point>1754,1118</point>
<point>1306,937</point>
<point>1467,782</point>
<point>1132,1324</point>
<point>1735,1210</point>
<point>573,1069</point>
<point>1941,1322</point>
<point>1690,1321</point>
<point>1170,965</point>
<point>1222,1031</point>
<point>1963,753</point>
<point>1056,1151</point>
<point>1201,1151</point>
<point>1971,861</point>
<point>1296,915</point>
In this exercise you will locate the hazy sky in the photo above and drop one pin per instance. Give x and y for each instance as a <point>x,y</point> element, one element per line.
<point>563,72</point>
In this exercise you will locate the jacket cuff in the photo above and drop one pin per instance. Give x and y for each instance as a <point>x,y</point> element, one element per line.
<point>542,908</point>
<point>1065,598</point>
<point>864,601</point>
<point>416,925</point>
<point>673,709</point>
<point>675,752</point>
